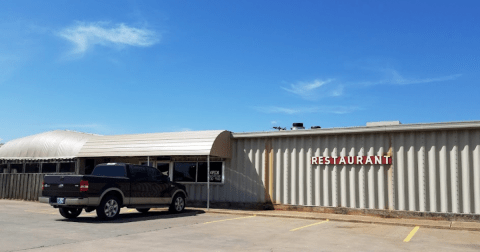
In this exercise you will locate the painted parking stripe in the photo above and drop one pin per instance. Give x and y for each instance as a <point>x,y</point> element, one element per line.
<point>412,233</point>
<point>230,219</point>
<point>295,229</point>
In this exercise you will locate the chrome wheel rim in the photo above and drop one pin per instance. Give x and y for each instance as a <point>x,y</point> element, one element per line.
<point>111,208</point>
<point>179,204</point>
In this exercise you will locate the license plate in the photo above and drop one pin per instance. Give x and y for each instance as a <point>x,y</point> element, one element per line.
<point>60,200</point>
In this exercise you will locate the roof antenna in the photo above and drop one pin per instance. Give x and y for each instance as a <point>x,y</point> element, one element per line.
<point>279,128</point>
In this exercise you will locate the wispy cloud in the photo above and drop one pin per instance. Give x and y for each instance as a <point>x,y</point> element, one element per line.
<point>86,35</point>
<point>306,110</point>
<point>272,122</point>
<point>307,90</point>
<point>395,78</point>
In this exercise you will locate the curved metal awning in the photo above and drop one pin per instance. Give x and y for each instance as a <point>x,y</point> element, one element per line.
<point>189,143</point>
<point>52,145</point>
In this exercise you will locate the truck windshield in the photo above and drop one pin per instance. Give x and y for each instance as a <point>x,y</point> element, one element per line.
<point>109,171</point>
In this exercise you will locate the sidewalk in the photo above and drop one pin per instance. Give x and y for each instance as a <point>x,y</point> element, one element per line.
<point>441,224</point>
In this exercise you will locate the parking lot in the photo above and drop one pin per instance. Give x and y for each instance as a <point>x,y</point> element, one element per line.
<point>33,226</point>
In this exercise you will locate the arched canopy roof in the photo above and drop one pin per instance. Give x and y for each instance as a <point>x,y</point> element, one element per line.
<point>189,143</point>
<point>57,144</point>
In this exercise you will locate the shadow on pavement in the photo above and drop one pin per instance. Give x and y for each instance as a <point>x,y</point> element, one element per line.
<point>126,217</point>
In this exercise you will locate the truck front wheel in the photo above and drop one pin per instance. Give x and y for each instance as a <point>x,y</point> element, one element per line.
<point>70,213</point>
<point>109,208</point>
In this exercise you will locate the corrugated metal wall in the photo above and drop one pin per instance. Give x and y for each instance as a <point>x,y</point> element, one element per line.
<point>433,171</point>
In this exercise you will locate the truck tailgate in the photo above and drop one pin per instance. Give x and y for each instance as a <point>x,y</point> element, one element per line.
<point>62,186</point>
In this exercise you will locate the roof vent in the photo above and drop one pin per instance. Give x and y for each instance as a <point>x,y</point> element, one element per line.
<point>297,126</point>
<point>315,127</point>
<point>383,123</point>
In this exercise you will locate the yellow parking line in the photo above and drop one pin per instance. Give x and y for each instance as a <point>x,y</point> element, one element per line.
<point>295,229</point>
<point>412,233</point>
<point>131,210</point>
<point>230,219</point>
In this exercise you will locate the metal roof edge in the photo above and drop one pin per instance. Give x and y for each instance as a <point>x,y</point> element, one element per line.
<point>363,129</point>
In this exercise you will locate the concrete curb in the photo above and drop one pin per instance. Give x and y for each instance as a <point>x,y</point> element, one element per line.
<point>440,224</point>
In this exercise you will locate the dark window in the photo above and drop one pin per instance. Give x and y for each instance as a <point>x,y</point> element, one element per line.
<point>67,167</point>
<point>197,172</point>
<point>89,165</point>
<point>215,172</point>
<point>16,168</point>
<point>138,172</point>
<point>49,167</point>
<point>109,171</point>
<point>163,168</point>
<point>3,168</point>
<point>32,168</point>
<point>185,171</point>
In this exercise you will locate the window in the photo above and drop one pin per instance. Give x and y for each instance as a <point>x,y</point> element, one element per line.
<point>3,168</point>
<point>67,167</point>
<point>185,171</point>
<point>49,167</point>
<point>16,168</point>
<point>163,168</point>
<point>32,168</point>
<point>109,171</point>
<point>138,172</point>
<point>216,173</point>
<point>197,172</point>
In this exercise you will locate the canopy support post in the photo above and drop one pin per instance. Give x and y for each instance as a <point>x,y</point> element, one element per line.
<point>208,182</point>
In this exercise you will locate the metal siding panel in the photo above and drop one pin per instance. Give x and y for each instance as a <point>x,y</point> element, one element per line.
<point>249,173</point>
<point>380,143</point>
<point>294,166</point>
<point>371,174</point>
<point>286,172</point>
<point>361,175</point>
<point>343,174</point>
<point>334,173</point>
<point>476,172</point>
<point>400,171</point>
<point>432,172</point>
<point>443,172</point>
<point>465,164</point>
<point>422,200</point>
<point>412,193</point>
<point>310,189</point>
<point>453,143</point>
<point>326,176</point>
<point>318,183</point>
<point>352,177</point>
<point>259,168</point>
<point>301,172</point>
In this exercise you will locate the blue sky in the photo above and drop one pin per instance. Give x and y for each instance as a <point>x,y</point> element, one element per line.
<point>121,67</point>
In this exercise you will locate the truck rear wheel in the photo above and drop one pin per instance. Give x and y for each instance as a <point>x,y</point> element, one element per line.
<point>70,213</point>
<point>109,208</point>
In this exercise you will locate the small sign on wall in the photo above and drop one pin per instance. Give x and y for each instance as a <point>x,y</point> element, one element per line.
<point>352,160</point>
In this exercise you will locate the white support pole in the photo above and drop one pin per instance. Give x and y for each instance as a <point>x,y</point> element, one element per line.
<point>148,160</point>
<point>208,182</point>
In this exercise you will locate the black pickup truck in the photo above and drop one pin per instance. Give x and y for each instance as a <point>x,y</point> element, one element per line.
<point>110,187</point>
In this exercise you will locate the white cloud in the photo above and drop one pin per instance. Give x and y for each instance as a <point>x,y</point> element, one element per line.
<point>273,123</point>
<point>306,89</point>
<point>306,110</point>
<point>87,35</point>
<point>393,77</point>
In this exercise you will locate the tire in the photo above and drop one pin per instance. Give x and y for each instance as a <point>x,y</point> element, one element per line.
<point>70,213</point>
<point>109,208</point>
<point>143,210</point>
<point>178,204</point>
